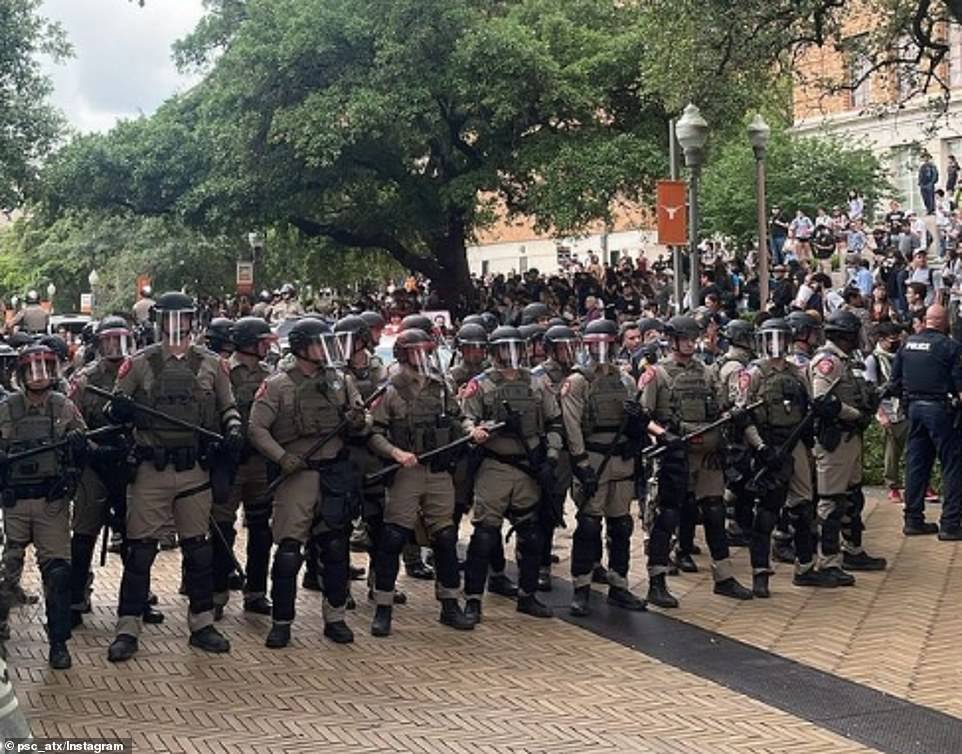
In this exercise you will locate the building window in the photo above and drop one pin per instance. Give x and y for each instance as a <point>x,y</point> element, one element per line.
<point>861,81</point>
<point>905,172</point>
<point>615,256</point>
<point>485,268</point>
<point>954,56</point>
<point>564,257</point>
<point>522,265</point>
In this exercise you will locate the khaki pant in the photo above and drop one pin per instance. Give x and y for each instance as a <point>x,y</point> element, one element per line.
<point>800,486</point>
<point>45,524</point>
<point>152,501</point>
<point>296,504</point>
<point>500,488</point>
<point>895,437</point>
<point>419,491</point>
<point>90,505</point>
<point>840,470</point>
<point>616,488</point>
<point>706,478</point>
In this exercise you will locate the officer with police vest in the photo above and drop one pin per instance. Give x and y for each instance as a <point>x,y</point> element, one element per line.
<point>928,373</point>
<point>101,497</point>
<point>308,399</point>
<point>518,462</point>
<point>251,340</point>
<point>783,475</point>
<point>844,411</point>
<point>602,421</point>
<point>561,352</point>
<point>416,415</point>
<point>33,318</point>
<point>683,395</point>
<point>740,336</point>
<point>171,479</point>
<point>37,490</point>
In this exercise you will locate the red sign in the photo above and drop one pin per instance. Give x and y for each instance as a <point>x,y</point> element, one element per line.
<point>142,282</point>
<point>245,278</point>
<point>672,210</point>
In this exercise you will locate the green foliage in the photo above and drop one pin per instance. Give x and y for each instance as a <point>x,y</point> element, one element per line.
<point>801,173</point>
<point>401,127</point>
<point>29,125</point>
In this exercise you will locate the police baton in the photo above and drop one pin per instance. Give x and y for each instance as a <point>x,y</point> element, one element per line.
<point>325,439</point>
<point>429,454</point>
<point>154,413</point>
<point>24,454</point>
<point>657,451</point>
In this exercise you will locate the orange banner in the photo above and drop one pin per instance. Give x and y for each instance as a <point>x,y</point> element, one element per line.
<point>672,210</point>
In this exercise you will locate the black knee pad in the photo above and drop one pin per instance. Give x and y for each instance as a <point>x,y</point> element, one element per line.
<point>140,554</point>
<point>393,538</point>
<point>135,584</point>
<point>713,510</point>
<point>484,541</point>
<point>197,551</point>
<point>257,516</point>
<point>335,547</point>
<point>55,570</point>
<point>335,556</point>
<point>198,555</point>
<point>619,543</point>
<point>620,528</point>
<point>585,545</point>
<point>445,545</point>
<point>287,560</point>
<point>835,517</point>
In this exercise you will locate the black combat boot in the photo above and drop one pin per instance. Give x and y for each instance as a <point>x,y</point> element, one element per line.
<point>59,657</point>
<point>418,569</point>
<point>452,615</point>
<point>783,551</point>
<point>260,605</point>
<point>279,636</point>
<point>152,616</point>
<point>499,583</point>
<point>122,648</point>
<point>381,625</point>
<point>658,593</point>
<point>815,578</point>
<point>338,632</point>
<point>210,639</point>
<point>235,582</point>
<point>684,562</point>
<point>580,601</point>
<point>760,585</point>
<point>529,604</point>
<point>862,561</point>
<point>731,588</point>
<point>472,610</point>
<point>842,578</point>
<point>621,597</point>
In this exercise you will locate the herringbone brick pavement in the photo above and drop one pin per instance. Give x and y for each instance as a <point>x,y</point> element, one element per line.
<point>515,684</point>
<point>897,631</point>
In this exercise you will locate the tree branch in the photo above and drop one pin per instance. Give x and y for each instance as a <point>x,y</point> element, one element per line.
<point>359,240</point>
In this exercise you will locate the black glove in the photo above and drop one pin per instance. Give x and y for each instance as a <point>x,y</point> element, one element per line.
<point>120,409</point>
<point>77,445</point>
<point>234,440</point>
<point>636,425</point>
<point>548,474</point>
<point>588,479</point>
<point>769,457</point>
<point>827,407</point>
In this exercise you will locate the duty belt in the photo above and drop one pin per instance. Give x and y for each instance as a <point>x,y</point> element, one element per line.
<point>929,397</point>
<point>33,491</point>
<point>625,448</point>
<point>182,459</point>
<point>517,461</point>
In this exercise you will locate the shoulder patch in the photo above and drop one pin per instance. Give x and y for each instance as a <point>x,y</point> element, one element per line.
<point>566,386</point>
<point>470,387</point>
<point>646,377</point>
<point>826,366</point>
<point>125,367</point>
<point>225,366</point>
<point>261,391</point>
<point>744,380</point>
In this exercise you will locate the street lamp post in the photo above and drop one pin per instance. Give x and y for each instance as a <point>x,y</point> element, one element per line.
<point>51,292</point>
<point>758,135</point>
<point>94,279</point>
<point>692,133</point>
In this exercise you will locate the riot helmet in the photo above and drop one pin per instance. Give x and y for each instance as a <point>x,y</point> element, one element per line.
<point>600,341</point>
<point>314,341</point>
<point>38,368</point>
<point>415,348</point>
<point>173,316</point>
<point>535,313</point>
<point>507,347</point>
<point>561,344</point>
<point>219,335</point>
<point>114,339</point>
<point>774,338</point>
<point>253,336</point>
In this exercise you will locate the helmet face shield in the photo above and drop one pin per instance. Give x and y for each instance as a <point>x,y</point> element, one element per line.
<point>115,343</point>
<point>325,350</point>
<point>176,326</point>
<point>347,342</point>
<point>599,349</point>
<point>565,351</point>
<point>422,358</point>
<point>39,371</point>
<point>773,344</point>
<point>510,354</point>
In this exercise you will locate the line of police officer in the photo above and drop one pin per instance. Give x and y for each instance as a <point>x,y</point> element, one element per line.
<point>298,447</point>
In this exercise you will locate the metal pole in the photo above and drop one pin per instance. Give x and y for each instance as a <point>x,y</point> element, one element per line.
<point>694,286</point>
<point>675,250</point>
<point>762,227</point>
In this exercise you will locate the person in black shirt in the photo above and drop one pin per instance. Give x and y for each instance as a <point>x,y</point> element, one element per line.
<point>928,372</point>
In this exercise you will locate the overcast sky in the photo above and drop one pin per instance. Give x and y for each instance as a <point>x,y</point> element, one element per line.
<point>121,64</point>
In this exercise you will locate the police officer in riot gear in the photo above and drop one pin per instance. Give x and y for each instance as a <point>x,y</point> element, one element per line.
<point>781,476</point>
<point>33,318</point>
<point>143,306</point>
<point>416,415</point>
<point>603,421</point>
<point>535,313</point>
<point>101,498</point>
<point>219,336</point>
<point>171,479</point>
<point>251,340</point>
<point>518,462</point>
<point>375,325</point>
<point>928,372</point>
<point>682,394</point>
<point>37,490</point>
<point>561,348</point>
<point>307,400</point>
<point>843,411</point>
<point>533,335</point>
